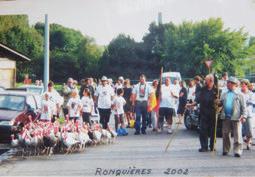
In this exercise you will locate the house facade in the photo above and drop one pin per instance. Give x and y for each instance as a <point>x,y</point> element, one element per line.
<point>8,59</point>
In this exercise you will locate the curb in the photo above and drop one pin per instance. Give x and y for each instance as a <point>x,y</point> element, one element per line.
<point>7,155</point>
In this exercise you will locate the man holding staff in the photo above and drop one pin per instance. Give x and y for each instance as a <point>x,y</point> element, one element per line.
<point>206,99</point>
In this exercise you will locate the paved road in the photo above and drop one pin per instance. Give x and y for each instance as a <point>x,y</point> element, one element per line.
<point>143,155</point>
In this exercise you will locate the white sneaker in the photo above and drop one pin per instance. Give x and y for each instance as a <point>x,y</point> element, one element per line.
<point>169,131</point>
<point>159,130</point>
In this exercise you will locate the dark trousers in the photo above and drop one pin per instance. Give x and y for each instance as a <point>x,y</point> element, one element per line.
<point>65,111</point>
<point>207,124</point>
<point>166,113</point>
<point>54,117</point>
<point>104,117</point>
<point>149,121</point>
<point>141,112</point>
<point>86,117</point>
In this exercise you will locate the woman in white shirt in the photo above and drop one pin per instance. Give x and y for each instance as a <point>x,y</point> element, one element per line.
<point>87,106</point>
<point>74,106</point>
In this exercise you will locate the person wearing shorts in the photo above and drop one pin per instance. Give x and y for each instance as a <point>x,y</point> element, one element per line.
<point>118,104</point>
<point>166,107</point>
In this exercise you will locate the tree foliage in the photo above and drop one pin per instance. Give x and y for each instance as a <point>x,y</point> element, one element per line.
<point>16,33</point>
<point>71,53</point>
<point>183,47</point>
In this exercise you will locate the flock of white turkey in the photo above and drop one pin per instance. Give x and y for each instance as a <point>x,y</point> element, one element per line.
<point>46,138</point>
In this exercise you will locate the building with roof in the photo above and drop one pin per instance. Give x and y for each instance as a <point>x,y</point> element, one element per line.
<point>8,59</point>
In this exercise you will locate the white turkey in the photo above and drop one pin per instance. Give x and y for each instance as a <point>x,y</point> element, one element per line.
<point>69,141</point>
<point>14,141</point>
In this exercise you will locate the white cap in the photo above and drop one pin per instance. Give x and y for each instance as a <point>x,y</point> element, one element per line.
<point>104,78</point>
<point>121,78</point>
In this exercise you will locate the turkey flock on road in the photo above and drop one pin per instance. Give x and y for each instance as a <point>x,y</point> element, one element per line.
<point>46,138</point>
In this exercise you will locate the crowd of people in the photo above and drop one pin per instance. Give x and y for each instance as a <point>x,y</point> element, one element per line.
<point>235,103</point>
<point>155,105</point>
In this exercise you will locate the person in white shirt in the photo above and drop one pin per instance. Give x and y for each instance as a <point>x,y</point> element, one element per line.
<point>167,105</point>
<point>104,95</point>
<point>74,106</point>
<point>250,102</point>
<point>119,83</point>
<point>46,114</point>
<point>118,104</point>
<point>223,81</point>
<point>56,99</point>
<point>140,95</point>
<point>66,91</point>
<point>87,106</point>
<point>177,89</point>
<point>191,91</point>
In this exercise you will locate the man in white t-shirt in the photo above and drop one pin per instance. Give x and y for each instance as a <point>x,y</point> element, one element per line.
<point>167,105</point>
<point>56,99</point>
<point>104,95</point>
<point>140,94</point>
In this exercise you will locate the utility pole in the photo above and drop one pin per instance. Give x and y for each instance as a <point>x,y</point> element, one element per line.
<point>159,18</point>
<point>46,53</point>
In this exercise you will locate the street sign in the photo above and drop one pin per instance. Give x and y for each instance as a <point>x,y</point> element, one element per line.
<point>208,63</point>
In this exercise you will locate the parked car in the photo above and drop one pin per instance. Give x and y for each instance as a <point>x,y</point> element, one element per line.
<point>16,110</point>
<point>33,89</point>
<point>2,89</point>
<point>172,76</point>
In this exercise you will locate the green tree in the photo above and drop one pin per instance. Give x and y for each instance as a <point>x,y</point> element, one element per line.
<point>71,53</point>
<point>16,33</point>
<point>190,44</point>
<point>89,55</point>
<point>123,56</point>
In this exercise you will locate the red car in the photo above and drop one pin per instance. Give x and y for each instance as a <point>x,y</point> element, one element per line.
<point>16,109</point>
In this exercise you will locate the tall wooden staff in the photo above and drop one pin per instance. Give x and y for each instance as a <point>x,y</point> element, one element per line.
<point>158,91</point>
<point>217,96</point>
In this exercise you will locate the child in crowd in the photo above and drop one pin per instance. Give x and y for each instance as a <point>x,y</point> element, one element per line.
<point>118,104</point>
<point>46,108</point>
<point>74,106</point>
<point>87,106</point>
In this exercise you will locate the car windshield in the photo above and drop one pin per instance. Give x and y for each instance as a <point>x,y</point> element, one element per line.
<point>37,90</point>
<point>171,79</point>
<point>12,102</point>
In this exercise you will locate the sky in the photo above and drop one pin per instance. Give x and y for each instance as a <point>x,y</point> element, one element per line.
<point>105,19</point>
